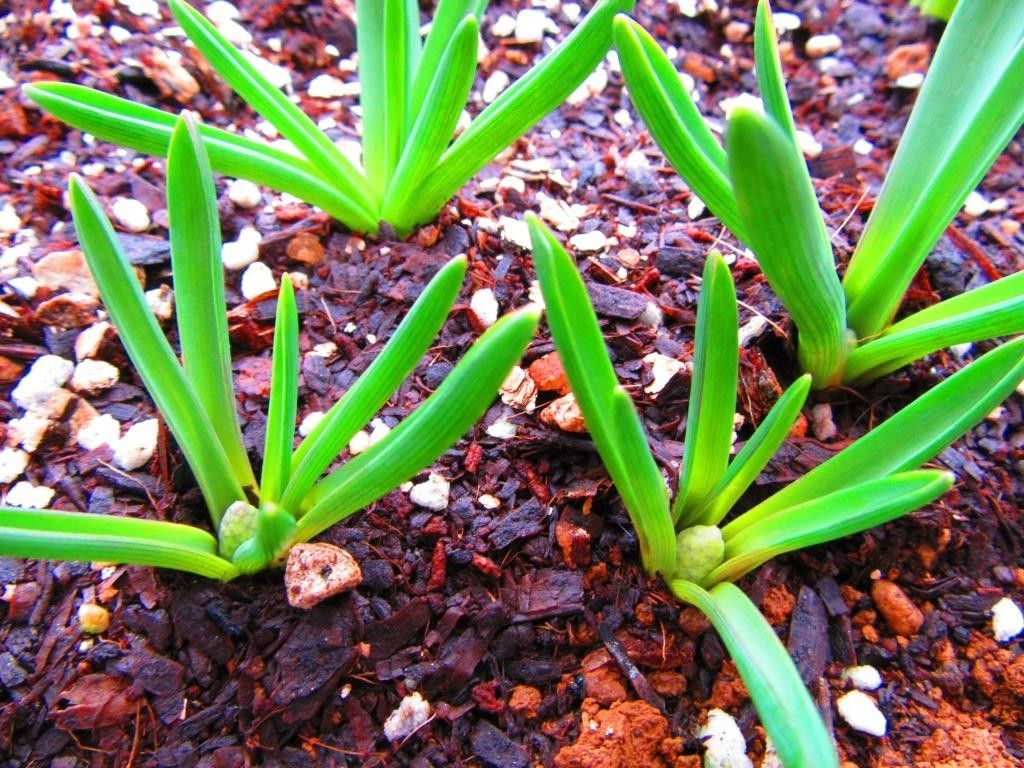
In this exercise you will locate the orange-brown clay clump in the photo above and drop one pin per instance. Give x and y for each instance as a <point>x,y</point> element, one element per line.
<point>628,734</point>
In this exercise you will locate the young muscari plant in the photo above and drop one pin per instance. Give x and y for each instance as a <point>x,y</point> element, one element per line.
<point>873,481</point>
<point>970,107</point>
<point>256,522</point>
<point>412,94</point>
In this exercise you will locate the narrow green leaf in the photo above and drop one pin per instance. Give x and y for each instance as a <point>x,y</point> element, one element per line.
<point>607,408</point>
<point>392,366</point>
<point>149,130</point>
<point>843,513</point>
<point>755,454</point>
<point>151,354</point>
<point>428,432</point>
<point>448,16</point>
<point>970,107</point>
<point>284,393</point>
<point>913,436</point>
<point>199,290</point>
<point>436,123</point>
<point>940,9</point>
<point>674,120</point>
<point>518,109</point>
<point>709,420</point>
<point>786,231</point>
<point>52,535</point>
<point>268,101</point>
<point>789,716</point>
<point>768,67</point>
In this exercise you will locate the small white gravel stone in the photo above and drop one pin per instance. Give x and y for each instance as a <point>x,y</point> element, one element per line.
<point>531,24</point>
<point>559,214</point>
<point>360,442</point>
<point>822,45</point>
<point>663,368</point>
<point>412,713</point>
<point>861,713</point>
<point>12,464</point>
<point>695,208</point>
<point>786,22</point>
<point>137,446</point>
<point>432,493</point>
<point>6,82</point>
<point>24,494</point>
<point>751,329</point>
<point>724,745</point>
<point>29,430</point>
<point>494,85</point>
<point>1007,620</point>
<point>101,430</point>
<point>257,280</point>
<point>975,205</point>
<point>327,87</point>
<point>821,422</point>
<point>863,147</point>
<point>93,376</point>
<point>809,145</point>
<point>317,571</point>
<point>589,242</point>
<point>515,232</point>
<point>161,301</point>
<point>244,194</point>
<point>911,81</point>
<point>487,501</point>
<point>502,429</point>
<point>47,374</point>
<point>378,431</point>
<point>309,423</point>
<point>10,222</point>
<point>505,26</point>
<point>131,214</point>
<point>87,343</point>
<point>519,390</point>
<point>864,677</point>
<point>240,253</point>
<point>593,85</point>
<point>485,306</point>
<point>279,77</point>
<point>24,286</point>
<point>744,100</point>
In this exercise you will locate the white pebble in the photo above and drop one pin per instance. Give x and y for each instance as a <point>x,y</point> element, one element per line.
<point>1007,620</point>
<point>25,286</point>
<point>326,87</point>
<point>502,429</point>
<point>911,81</point>
<point>531,24</point>
<point>864,677</point>
<point>822,425</point>
<point>161,301</point>
<point>809,145</point>
<point>309,423</point>
<point>10,222</point>
<point>589,242</point>
<point>137,446</point>
<point>558,214</point>
<point>99,431</point>
<point>257,280</point>
<point>723,741</point>
<point>975,205</point>
<point>24,494</point>
<point>505,26</point>
<point>485,307</point>
<point>744,100</point>
<point>47,374</point>
<point>412,713</point>
<point>861,713</point>
<point>12,464</point>
<point>593,85</point>
<point>29,430</point>
<point>695,208</point>
<point>244,194</point>
<point>822,45</point>
<point>93,376</point>
<point>495,84</point>
<point>663,368</point>
<point>432,493</point>
<point>240,253</point>
<point>87,343</point>
<point>863,147</point>
<point>279,77</point>
<point>786,22</point>
<point>142,7</point>
<point>515,232</point>
<point>6,82</point>
<point>360,442</point>
<point>131,214</point>
<point>487,501</point>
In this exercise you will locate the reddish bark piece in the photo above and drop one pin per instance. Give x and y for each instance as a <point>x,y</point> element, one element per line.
<point>95,701</point>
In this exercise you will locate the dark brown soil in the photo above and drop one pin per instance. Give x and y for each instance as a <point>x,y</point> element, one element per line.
<point>504,619</point>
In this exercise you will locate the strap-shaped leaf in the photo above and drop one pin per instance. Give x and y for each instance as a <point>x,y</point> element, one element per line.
<point>268,101</point>
<point>396,361</point>
<point>768,68</point>
<point>786,231</point>
<point>607,408</point>
<point>913,436</point>
<point>53,535</point>
<point>428,432</point>
<point>387,35</point>
<point>970,107</point>
<point>789,716</point>
<point>518,109</point>
<point>151,354</point>
<point>149,130</point>
<point>284,393</point>
<point>436,123</point>
<point>712,409</point>
<point>448,16</point>
<point>755,454</point>
<point>839,514</point>
<point>940,9</point>
<point>199,290</point>
<point>674,120</point>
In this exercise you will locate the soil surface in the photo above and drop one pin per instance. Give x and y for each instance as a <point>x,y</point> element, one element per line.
<point>520,613</point>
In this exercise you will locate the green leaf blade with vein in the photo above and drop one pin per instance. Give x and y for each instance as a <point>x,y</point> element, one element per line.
<point>194,226</point>
<point>269,102</point>
<point>843,513</point>
<point>518,109</point>
<point>149,130</point>
<point>607,409</point>
<point>768,68</point>
<point>787,233</point>
<point>428,432</point>
<point>970,107</point>
<point>80,537</point>
<point>779,695</point>
<point>448,16</point>
<point>151,354</point>
<point>392,366</point>
<point>933,421</point>
<point>755,454</point>
<point>284,393</point>
<point>712,409</point>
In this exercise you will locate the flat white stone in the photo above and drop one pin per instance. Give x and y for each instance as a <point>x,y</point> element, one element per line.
<point>864,677</point>
<point>309,423</point>
<point>412,713</point>
<point>244,194</point>
<point>505,26</point>
<point>502,429</point>
<point>24,494</point>
<point>494,85</point>
<point>515,232</point>
<point>317,571</point>
<point>432,493</point>
<point>137,446</point>
<point>531,24</point>
<point>822,45</point>
<point>663,369</point>
<point>326,86</point>
<point>1007,620</point>
<point>47,374</point>
<point>243,251</point>
<point>93,376</point>
<point>861,713</point>
<point>724,745</point>
<point>131,214</point>
<point>12,464</point>
<point>257,280</point>
<point>485,306</point>
<point>10,222</point>
<point>101,430</point>
<point>589,242</point>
